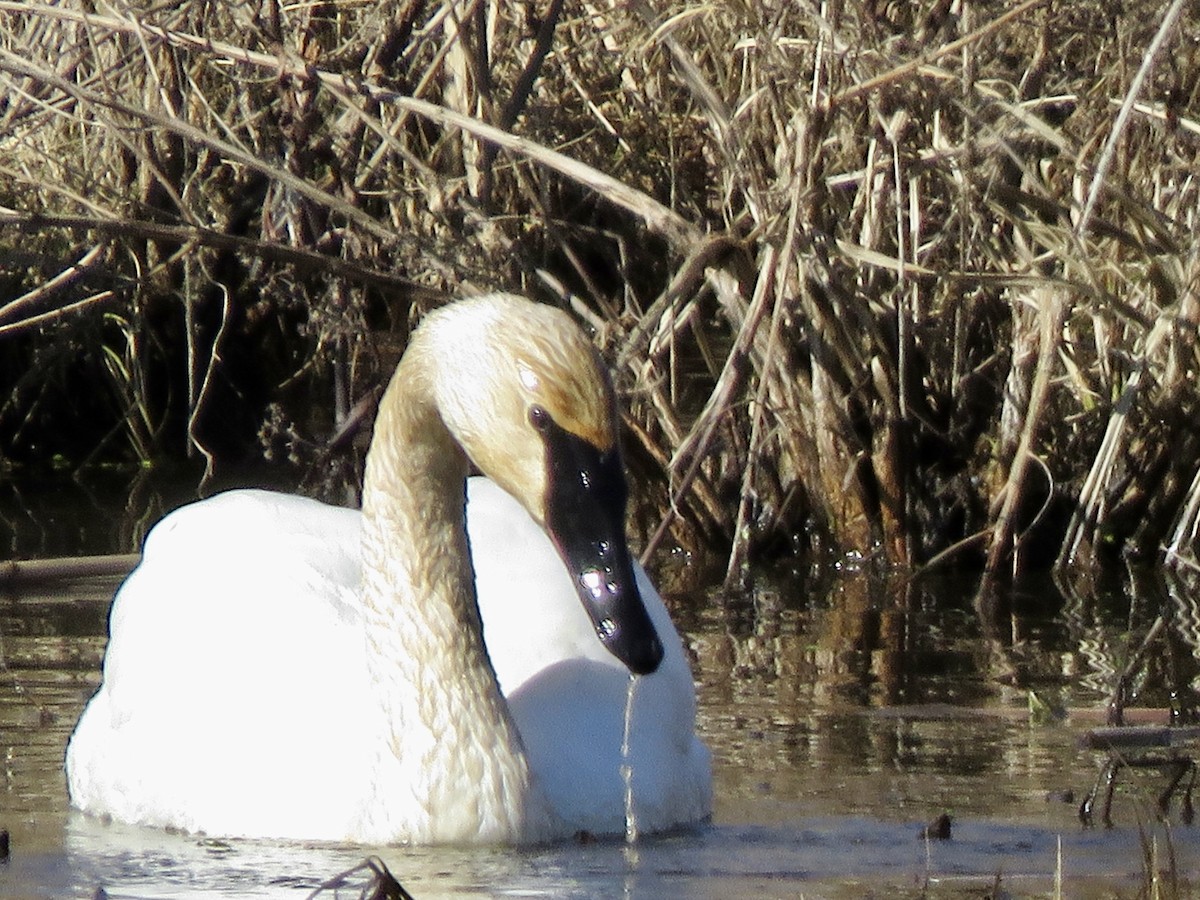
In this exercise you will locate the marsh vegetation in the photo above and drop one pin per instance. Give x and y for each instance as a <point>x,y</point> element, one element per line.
<point>908,282</point>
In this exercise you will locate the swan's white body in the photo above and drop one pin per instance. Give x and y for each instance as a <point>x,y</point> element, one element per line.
<point>253,687</point>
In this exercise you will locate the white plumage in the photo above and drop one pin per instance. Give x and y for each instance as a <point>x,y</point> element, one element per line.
<point>257,684</point>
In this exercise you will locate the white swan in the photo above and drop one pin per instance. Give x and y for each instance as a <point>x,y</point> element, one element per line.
<point>281,668</point>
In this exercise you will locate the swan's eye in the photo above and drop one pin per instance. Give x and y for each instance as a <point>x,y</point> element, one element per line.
<point>539,418</point>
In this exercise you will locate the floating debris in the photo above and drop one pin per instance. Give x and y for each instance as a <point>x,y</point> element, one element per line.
<point>382,884</point>
<point>938,829</point>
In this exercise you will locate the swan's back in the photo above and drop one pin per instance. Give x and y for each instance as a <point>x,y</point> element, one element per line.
<point>234,671</point>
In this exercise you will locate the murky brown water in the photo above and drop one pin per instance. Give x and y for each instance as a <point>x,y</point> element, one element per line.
<point>842,719</point>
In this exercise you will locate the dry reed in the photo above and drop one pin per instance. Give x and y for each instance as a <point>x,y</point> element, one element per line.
<point>900,282</point>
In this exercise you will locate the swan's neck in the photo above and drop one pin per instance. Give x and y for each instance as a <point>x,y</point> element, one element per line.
<point>451,766</point>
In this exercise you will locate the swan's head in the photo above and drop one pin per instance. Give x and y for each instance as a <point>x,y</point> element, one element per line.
<point>528,398</point>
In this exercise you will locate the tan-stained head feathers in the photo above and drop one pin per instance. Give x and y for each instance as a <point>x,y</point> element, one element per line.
<point>490,361</point>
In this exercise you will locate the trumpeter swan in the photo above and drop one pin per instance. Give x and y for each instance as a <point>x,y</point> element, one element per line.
<point>282,668</point>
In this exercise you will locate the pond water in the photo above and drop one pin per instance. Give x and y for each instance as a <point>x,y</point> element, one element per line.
<point>845,713</point>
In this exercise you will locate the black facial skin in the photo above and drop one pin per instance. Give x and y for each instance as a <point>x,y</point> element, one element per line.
<point>585,516</point>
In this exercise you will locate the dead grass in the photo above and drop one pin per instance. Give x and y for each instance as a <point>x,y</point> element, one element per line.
<point>878,280</point>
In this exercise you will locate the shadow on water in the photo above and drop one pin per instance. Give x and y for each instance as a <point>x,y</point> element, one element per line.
<point>844,714</point>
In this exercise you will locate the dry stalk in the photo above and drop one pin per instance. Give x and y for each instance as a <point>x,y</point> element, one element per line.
<point>1089,510</point>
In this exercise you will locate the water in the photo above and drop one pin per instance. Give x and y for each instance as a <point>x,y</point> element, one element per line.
<point>844,715</point>
<point>631,825</point>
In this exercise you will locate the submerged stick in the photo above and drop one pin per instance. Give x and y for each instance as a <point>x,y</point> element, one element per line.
<point>32,571</point>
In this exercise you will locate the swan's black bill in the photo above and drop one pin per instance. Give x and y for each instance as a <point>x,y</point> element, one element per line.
<point>585,516</point>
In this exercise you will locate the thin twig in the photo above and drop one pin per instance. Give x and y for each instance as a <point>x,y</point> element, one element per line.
<point>1149,58</point>
<point>903,71</point>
